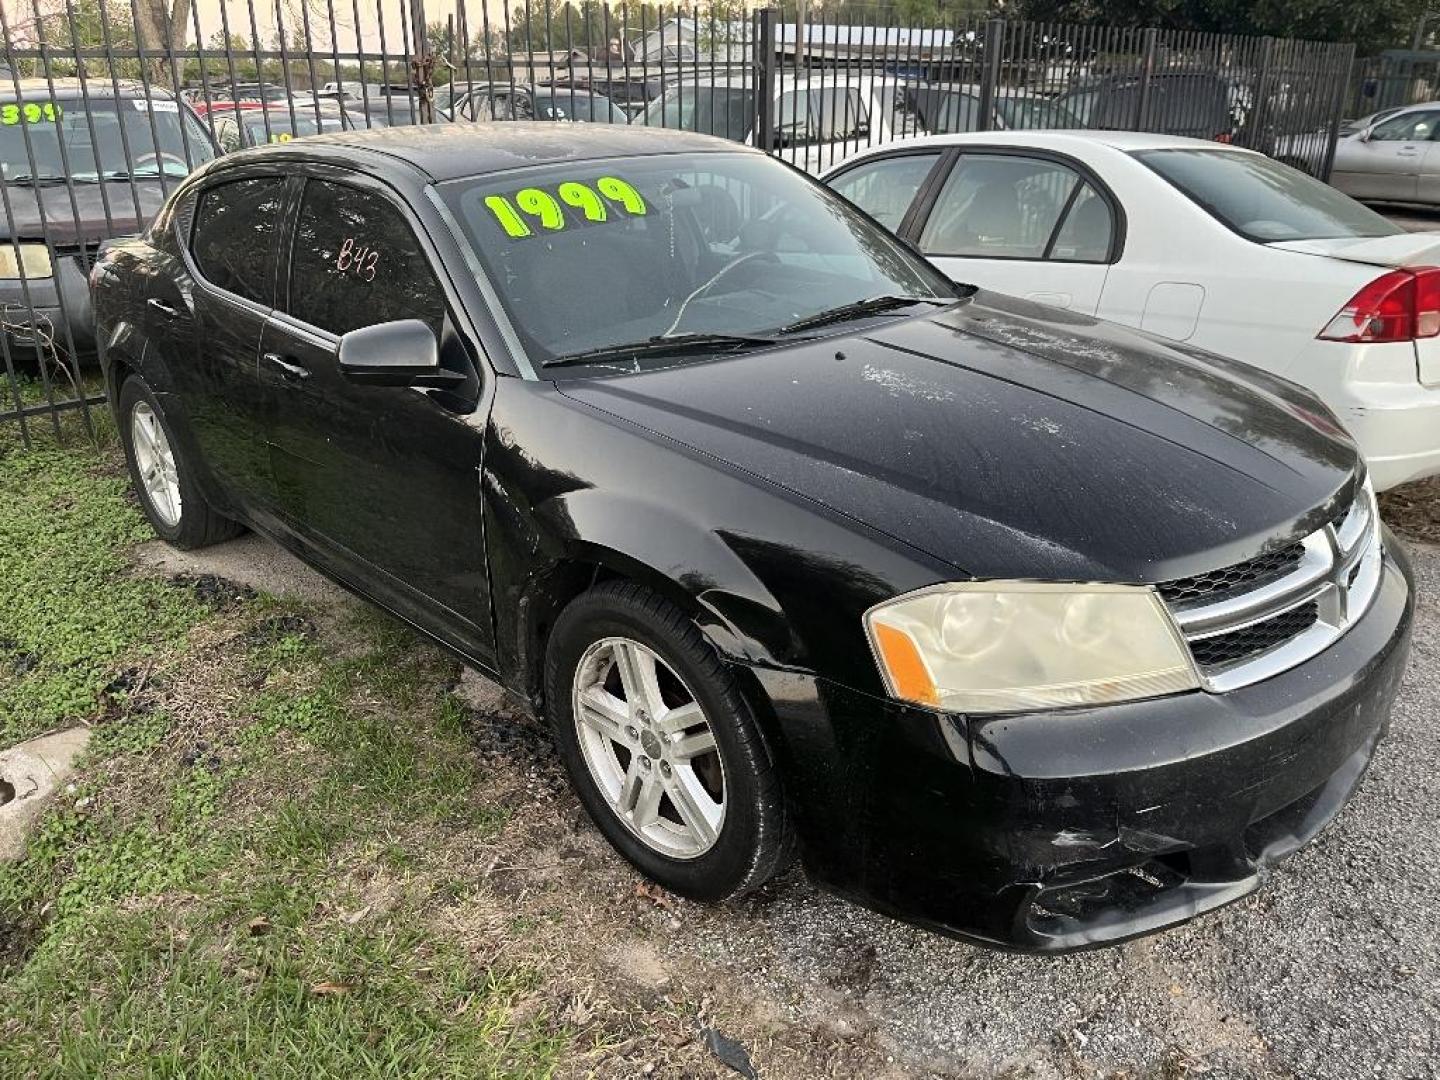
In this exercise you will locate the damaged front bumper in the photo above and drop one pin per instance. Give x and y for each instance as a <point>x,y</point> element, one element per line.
<point>1077,828</point>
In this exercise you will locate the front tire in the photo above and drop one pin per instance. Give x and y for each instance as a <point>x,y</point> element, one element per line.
<point>662,747</point>
<point>164,480</point>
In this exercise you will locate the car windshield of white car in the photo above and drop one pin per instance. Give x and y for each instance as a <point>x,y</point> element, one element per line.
<point>590,256</point>
<point>1263,200</point>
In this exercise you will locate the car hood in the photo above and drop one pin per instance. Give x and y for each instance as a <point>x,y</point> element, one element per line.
<point>1012,440</point>
<point>40,212</point>
<point>1402,249</point>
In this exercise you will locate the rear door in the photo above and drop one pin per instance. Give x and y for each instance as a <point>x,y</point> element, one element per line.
<point>1035,226</point>
<point>381,483</point>
<point>1387,164</point>
<point>207,319</point>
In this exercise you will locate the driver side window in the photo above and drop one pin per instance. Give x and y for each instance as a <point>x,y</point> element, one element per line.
<point>885,188</point>
<point>356,262</point>
<point>1412,127</point>
<point>998,206</point>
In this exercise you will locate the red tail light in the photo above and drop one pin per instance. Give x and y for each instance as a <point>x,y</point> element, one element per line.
<point>1224,137</point>
<point>1399,306</point>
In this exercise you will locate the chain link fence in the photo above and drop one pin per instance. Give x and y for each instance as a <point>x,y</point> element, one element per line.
<point>106,105</point>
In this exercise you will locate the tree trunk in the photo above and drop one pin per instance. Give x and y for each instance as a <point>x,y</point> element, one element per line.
<point>160,27</point>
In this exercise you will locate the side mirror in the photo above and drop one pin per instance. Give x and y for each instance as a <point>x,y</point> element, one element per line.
<point>402,353</point>
<point>1365,135</point>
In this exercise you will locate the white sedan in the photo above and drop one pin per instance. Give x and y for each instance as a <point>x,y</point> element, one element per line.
<point>1193,241</point>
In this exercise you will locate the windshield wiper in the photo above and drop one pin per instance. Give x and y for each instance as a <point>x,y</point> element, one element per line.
<point>661,344</point>
<point>873,305</point>
<point>34,181</point>
<point>127,174</point>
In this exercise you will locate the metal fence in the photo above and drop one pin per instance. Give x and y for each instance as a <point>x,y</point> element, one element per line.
<point>1393,80</point>
<point>105,105</point>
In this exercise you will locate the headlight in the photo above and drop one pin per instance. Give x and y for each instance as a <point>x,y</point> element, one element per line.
<point>34,258</point>
<point>984,647</point>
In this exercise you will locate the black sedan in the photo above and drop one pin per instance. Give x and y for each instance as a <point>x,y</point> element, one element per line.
<point>1017,625</point>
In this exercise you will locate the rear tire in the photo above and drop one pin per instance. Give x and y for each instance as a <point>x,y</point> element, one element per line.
<point>666,754</point>
<point>164,480</point>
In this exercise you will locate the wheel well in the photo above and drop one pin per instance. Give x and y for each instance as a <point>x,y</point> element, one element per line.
<point>118,368</point>
<point>563,584</point>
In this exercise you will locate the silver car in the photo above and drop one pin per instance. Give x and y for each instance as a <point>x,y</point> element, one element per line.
<point>1395,157</point>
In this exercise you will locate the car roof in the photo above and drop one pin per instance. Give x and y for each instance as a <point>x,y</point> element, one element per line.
<point>1398,109</point>
<point>787,80</point>
<point>1065,139</point>
<point>450,151</point>
<point>75,88</point>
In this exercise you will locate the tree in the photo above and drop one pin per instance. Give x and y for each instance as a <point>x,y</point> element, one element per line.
<point>1372,24</point>
<point>161,25</point>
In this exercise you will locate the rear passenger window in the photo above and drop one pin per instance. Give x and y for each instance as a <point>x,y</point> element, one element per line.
<point>234,233</point>
<point>356,263</point>
<point>884,189</point>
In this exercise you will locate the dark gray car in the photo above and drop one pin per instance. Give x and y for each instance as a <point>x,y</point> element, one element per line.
<point>81,164</point>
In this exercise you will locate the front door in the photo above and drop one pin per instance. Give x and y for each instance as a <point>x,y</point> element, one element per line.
<point>1387,164</point>
<point>1030,226</point>
<point>206,319</point>
<point>382,484</point>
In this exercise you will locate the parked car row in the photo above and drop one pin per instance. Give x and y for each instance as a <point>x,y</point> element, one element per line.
<point>1011,621</point>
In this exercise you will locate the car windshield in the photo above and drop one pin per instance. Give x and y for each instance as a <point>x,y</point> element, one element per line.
<point>589,256</point>
<point>1264,200</point>
<point>711,110</point>
<point>576,105</point>
<point>96,139</point>
<point>1035,113</point>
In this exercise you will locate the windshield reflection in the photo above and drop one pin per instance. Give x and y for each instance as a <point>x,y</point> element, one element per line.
<point>594,255</point>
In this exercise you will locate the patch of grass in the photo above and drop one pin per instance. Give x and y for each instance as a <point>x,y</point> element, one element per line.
<point>183,995</point>
<point>71,616</point>
<point>133,733</point>
<point>229,892</point>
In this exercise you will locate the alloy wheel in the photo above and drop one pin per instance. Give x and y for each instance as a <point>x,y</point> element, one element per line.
<point>155,462</point>
<point>649,747</point>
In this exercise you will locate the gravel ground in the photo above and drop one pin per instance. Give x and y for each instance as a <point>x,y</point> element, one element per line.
<point>1329,971</point>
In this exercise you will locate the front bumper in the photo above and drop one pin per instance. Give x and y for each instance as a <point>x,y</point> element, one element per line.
<point>1077,828</point>
<point>59,304</point>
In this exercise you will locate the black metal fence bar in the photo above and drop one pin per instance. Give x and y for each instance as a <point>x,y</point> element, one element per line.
<point>105,106</point>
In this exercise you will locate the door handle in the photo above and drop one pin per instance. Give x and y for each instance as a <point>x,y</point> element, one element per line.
<point>288,371</point>
<point>160,306</point>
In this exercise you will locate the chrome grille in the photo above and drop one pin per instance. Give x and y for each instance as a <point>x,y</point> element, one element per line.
<point>1258,618</point>
<point>1261,568</point>
<point>1249,641</point>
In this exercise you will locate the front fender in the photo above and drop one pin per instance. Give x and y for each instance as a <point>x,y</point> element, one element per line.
<point>772,578</point>
<point>695,568</point>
